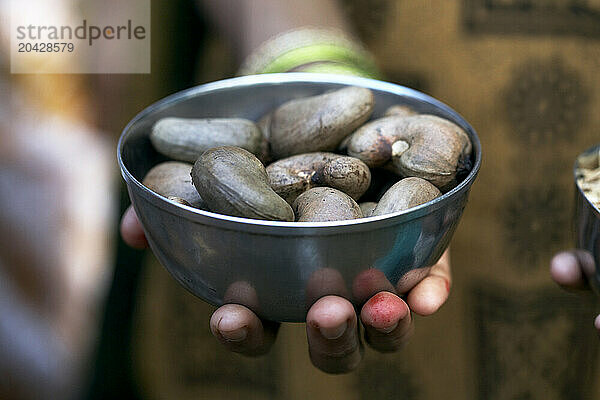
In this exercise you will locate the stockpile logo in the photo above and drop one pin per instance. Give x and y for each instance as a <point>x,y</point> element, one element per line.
<point>80,36</point>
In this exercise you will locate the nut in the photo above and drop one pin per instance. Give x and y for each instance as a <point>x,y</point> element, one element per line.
<point>264,124</point>
<point>367,208</point>
<point>405,194</point>
<point>400,110</point>
<point>233,181</point>
<point>294,175</point>
<point>172,179</point>
<point>318,123</point>
<point>323,204</point>
<point>424,146</point>
<point>185,139</point>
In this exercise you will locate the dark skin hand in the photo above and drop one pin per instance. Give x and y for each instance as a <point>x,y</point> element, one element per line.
<point>332,322</point>
<point>571,270</point>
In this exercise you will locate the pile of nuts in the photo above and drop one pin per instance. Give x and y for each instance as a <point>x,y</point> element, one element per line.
<point>322,157</point>
<point>588,176</point>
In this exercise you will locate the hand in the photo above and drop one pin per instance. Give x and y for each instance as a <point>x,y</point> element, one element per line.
<point>571,270</point>
<point>331,322</point>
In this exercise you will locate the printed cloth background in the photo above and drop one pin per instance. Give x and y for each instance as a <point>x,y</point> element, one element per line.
<point>524,73</point>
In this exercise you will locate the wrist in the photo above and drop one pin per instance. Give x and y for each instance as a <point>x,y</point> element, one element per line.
<point>311,50</point>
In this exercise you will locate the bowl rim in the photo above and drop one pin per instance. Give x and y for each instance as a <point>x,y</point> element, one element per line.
<point>274,227</point>
<point>590,149</point>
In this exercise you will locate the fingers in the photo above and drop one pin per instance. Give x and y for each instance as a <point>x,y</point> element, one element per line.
<point>432,292</point>
<point>241,331</point>
<point>324,282</point>
<point>387,321</point>
<point>411,278</point>
<point>131,230</point>
<point>332,331</point>
<point>368,283</point>
<point>570,268</point>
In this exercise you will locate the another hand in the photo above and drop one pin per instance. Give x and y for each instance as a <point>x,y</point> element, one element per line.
<point>331,322</point>
<point>572,269</point>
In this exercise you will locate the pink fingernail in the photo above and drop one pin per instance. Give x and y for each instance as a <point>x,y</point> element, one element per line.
<point>333,332</point>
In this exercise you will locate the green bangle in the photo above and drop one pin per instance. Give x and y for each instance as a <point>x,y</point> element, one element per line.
<point>323,53</point>
<point>310,49</point>
<point>334,68</point>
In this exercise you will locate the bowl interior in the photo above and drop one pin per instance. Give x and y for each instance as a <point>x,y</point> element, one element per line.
<point>253,96</point>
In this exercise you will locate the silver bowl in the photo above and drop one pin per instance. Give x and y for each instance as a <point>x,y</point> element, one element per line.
<point>587,223</point>
<point>278,269</point>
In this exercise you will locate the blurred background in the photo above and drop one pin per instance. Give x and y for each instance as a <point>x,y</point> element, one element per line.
<point>84,316</point>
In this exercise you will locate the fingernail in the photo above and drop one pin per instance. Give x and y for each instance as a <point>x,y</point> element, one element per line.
<point>388,329</point>
<point>236,335</point>
<point>334,332</point>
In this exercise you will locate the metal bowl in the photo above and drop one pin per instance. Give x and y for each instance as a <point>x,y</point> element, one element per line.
<point>278,269</point>
<point>587,222</point>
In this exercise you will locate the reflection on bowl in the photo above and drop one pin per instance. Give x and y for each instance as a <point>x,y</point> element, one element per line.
<point>279,268</point>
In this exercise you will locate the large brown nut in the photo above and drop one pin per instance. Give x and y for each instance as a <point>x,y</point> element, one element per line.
<point>318,123</point>
<point>396,110</point>
<point>405,194</point>
<point>424,146</point>
<point>172,179</point>
<point>291,176</point>
<point>233,181</point>
<point>185,139</point>
<point>322,204</point>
